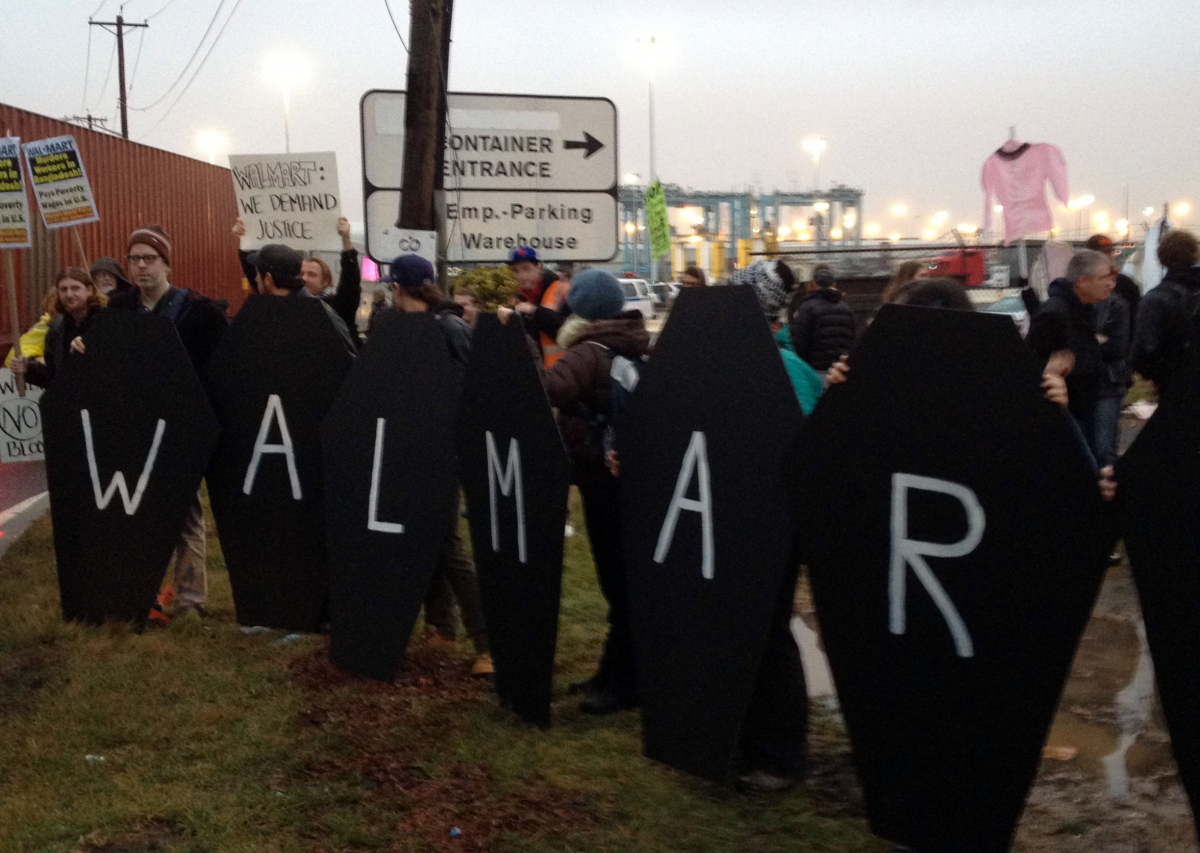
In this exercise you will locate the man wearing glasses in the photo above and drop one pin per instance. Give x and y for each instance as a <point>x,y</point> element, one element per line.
<point>200,323</point>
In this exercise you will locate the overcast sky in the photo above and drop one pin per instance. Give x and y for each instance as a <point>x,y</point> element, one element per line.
<point>911,95</point>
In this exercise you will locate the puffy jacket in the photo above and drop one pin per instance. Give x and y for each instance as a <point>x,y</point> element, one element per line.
<point>577,386</point>
<point>200,324</point>
<point>1065,323</point>
<point>1165,328</point>
<point>822,328</point>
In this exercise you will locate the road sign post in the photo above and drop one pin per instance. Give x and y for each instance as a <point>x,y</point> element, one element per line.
<point>520,170</point>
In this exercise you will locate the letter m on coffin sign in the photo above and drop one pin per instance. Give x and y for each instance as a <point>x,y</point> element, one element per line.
<point>128,435</point>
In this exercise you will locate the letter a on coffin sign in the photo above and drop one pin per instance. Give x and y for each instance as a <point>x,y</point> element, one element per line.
<point>128,435</point>
<point>1159,501</point>
<point>388,447</point>
<point>705,521</point>
<point>271,380</point>
<point>955,540</point>
<point>515,475</point>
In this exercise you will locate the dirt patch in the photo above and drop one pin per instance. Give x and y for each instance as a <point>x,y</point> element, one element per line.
<point>23,675</point>
<point>152,835</point>
<point>394,737</point>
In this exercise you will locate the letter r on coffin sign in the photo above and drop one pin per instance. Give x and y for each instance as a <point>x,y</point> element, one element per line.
<point>912,552</point>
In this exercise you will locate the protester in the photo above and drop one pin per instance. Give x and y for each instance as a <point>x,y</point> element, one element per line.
<point>557,291</point>
<point>32,344</point>
<point>1114,332</point>
<point>1165,330</point>
<point>692,277</point>
<point>109,277</point>
<point>907,273</point>
<point>773,283</point>
<point>77,302</point>
<point>1126,287</point>
<point>277,272</point>
<point>468,299</point>
<point>578,386</point>
<point>413,290</point>
<point>318,278</point>
<point>822,327</point>
<point>1067,321</point>
<point>535,288</point>
<point>200,324</point>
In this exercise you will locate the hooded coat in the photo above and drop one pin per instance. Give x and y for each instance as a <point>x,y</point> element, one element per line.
<point>822,328</point>
<point>1165,327</point>
<point>577,385</point>
<point>1065,323</point>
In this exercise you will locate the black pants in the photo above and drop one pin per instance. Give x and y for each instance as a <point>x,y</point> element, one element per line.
<point>775,733</point>
<point>602,516</point>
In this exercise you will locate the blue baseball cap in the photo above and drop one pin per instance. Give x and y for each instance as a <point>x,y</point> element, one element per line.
<point>522,253</point>
<point>410,271</point>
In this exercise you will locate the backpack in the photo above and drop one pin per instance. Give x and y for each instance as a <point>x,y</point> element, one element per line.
<point>623,377</point>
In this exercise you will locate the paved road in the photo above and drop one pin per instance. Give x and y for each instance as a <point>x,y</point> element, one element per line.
<point>20,485</point>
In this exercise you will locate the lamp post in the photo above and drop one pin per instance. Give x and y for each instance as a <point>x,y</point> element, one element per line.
<point>286,70</point>
<point>815,146</point>
<point>650,50</point>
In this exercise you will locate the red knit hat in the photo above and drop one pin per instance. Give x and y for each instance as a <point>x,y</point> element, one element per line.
<point>154,237</point>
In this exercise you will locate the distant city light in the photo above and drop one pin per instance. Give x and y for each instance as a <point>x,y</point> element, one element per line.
<point>930,234</point>
<point>849,219</point>
<point>1082,201</point>
<point>821,206</point>
<point>212,143</point>
<point>1182,208</point>
<point>631,178</point>
<point>815,146</point>
<point>967,229</point>
<point>695,238</point>
<point>899,209</point>
<point>798,225</point>
<point>1100,218</point>
<point>835,233</point>
<point>999,208</point>
<point>1123,225</point>
<point>630,227</point>
<point>784,231</point>
<point>893,237</point>
<point>1149,211</point>
<point>872,229</point>
<point>941,217</point>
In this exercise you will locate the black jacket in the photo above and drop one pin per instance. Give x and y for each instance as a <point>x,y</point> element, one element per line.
<point>822,328</point>
<point>1065,323</point>
<point>456,332</point>
<point>1112,321</point>
<point>344,301</point>
<point>57,347</point>
<point>200,325</point>
<point>1166,326</point>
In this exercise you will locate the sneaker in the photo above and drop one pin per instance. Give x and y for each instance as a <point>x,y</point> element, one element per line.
<point>158,611</point>
<point>483,667</point>
<point>762,782</point>
<point>569,531</point>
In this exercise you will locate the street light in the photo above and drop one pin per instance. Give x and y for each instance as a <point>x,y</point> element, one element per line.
<point>212,143</point>
<point>939,218</point>
<point>286,70</point>
<point>821,206</point>
<point>930,234</point>
<point>899,209</point>
<point>650,50</point>
<point>1182,209</point>
<point>815,146</point>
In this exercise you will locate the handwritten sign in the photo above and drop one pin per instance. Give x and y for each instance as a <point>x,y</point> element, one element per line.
<point>14,204</point>
<point>20,421</point>
<point>288,198</point>
<point>656,220</point>
<point>60,182</point>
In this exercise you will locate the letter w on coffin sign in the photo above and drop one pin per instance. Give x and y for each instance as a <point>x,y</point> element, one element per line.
<point>130,411</point>
<point>956,541</point>
<point>515,475</point>
<point>705,522</point>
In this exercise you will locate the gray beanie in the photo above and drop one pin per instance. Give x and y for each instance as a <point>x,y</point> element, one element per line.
<point>595,295</point>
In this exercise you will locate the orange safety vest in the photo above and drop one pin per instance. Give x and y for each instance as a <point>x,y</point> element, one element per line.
<point>551,351</point>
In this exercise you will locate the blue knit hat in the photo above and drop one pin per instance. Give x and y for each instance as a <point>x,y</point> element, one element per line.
<point>596,295</point>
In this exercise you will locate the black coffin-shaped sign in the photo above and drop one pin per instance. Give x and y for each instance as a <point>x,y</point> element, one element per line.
<point>128,435</point>
<point>271,381</point>
<point>515,475</point>
<point>388,446</point>
<point>706,522</point>
<point>1159,498</point>
<point>955,540</point>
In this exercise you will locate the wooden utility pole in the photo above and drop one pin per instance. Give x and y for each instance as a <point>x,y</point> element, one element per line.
<point>424,111</point>
<point>121,26</point>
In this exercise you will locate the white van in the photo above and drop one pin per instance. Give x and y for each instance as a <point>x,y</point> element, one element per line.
<point>637,296</point>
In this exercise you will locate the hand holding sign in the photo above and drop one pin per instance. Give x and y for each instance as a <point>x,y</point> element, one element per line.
<point>288,198</point>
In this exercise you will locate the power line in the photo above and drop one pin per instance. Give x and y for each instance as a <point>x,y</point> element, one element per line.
<point>137,59</point>
<point>199,45</point>
<point>395,26</point>
<point>161,9</point>
<point>199,68</point>
<point>87,68</point>
<point>108,76</point>
<point>98,8</point>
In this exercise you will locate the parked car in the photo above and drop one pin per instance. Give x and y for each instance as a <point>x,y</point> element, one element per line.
<point>638,296</point>
<point>664,293</point>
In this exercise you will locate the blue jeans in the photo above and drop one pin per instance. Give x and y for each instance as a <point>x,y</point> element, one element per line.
<point>1105,429</point>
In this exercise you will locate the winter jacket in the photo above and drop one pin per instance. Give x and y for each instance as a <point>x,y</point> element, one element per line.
<point>806,382</point>
<point>63,329</point>
<point>577,386</point>
<point>344,301</point>
<point>822,328</point>
<point>1165,328</point>
<point>1112,321</point>
<point>32,344</point>
<point>199,321</point>
<point>456,332</point>
<point>1065,323</point>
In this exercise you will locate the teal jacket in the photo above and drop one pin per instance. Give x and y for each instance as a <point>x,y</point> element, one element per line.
<point>806,382</point>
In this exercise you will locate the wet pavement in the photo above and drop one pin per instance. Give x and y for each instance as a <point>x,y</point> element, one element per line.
<point>20,484</point>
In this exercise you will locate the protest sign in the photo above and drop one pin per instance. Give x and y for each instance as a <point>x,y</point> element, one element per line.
<point>271,379</point>
<point>60,183</point>
<point>128,435</point>
<point>515,475</point>
<point>706,524</point>
<point>20,421</point>
<point>291,199</point>
<point>1159,499</point>
<point>388,450</point>
<point>14,204</point>
<point>656,220</point>
<point>956,541</point>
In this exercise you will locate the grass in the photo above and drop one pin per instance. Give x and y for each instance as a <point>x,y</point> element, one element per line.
<point>198,738</point>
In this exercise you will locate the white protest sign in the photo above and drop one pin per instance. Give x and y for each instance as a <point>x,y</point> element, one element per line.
<point>519,170</point>
<point>291,199</point>
<point>14,204</point>
<point>60,183</point>
<point>20,421</point>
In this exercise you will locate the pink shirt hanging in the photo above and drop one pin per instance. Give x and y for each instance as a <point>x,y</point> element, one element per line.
<point>1015,177</point>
